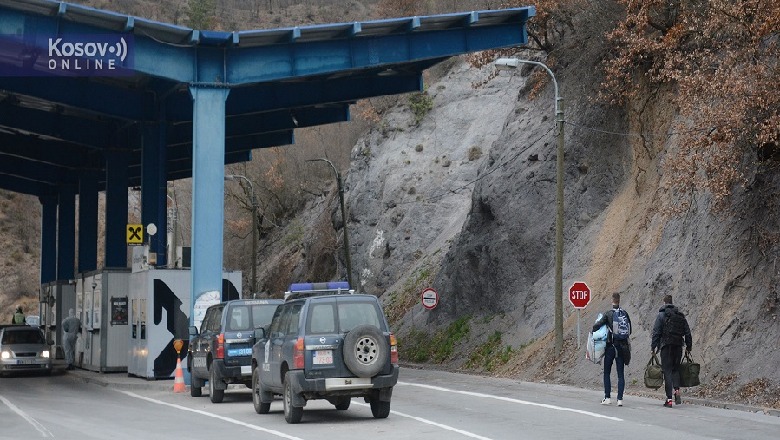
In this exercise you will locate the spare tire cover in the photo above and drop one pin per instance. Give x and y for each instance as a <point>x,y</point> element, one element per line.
<point>365,351</point>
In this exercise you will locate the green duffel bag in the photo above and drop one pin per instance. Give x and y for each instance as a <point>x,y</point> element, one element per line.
<point>654,375</point>
<point>689,371</point>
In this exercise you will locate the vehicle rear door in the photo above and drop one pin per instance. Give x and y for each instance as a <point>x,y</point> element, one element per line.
<point>239,336</point>
<point>273,347</point>
<point>349,312</point>
<point>323,341</point>
<point>203,342</point>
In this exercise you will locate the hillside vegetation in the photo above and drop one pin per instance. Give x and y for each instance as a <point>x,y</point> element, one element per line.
<point>671,187</point>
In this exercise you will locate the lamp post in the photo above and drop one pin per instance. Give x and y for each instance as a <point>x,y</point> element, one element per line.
<point>343,219</point>
<point>172,230</point>
<point>512,63</point>
<point>254,227</point>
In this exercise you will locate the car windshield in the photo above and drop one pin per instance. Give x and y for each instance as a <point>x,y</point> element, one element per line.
<point>245,317</point>
<point>322,318</point>
<point>262,314</point>
<point>31,336</point>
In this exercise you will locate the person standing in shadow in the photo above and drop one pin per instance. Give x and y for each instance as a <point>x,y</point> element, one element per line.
<point>71,327</point>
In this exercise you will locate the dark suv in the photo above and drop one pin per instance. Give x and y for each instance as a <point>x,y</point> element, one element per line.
<point>222,352</point>
<point>325,343</point>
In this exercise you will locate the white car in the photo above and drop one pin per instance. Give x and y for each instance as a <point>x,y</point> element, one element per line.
<point>23,349</point>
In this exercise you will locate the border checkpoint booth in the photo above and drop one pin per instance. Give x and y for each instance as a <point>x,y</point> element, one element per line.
<point>101,305</point>
<point>55,299</point>
<point>130,317</point>
<point>159,307</point>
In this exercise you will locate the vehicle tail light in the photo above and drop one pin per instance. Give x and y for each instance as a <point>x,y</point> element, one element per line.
<point>298,354</point>
<point>393,349</point>
<point>219,350</point>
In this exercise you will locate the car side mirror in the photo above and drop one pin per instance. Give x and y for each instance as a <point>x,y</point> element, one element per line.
<point>193,331</point>
<point>259,333</point>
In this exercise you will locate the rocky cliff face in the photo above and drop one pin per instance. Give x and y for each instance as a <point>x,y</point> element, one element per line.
<point>482,232</point>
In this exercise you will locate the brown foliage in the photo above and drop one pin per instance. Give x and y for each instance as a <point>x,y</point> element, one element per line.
<point>399,8</point>
<point>546,31</point>
<point>722,56</point>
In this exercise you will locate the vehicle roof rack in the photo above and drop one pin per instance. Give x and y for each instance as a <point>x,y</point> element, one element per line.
<point>305,290</point>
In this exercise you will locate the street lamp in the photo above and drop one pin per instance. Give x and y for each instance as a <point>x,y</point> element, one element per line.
<point>343,219</point>
<point>172,230</point>
<point>232,177</point>
<point>512,63</point>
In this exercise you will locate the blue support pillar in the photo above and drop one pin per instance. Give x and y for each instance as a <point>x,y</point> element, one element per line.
<point>48,239</point>
<point>154,188</point>
<point>162,191</point>
<point>116,208</point>
<point>208,190</point>
<point>88,222</point>
<point>66,233</point>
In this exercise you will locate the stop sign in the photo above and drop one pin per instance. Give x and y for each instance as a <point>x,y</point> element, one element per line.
<point>579,295</point>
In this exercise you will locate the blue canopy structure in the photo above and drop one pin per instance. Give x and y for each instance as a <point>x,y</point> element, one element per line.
<point>92,100</point>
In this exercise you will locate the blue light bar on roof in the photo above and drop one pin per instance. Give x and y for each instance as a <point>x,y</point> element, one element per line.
<point>330,285</point>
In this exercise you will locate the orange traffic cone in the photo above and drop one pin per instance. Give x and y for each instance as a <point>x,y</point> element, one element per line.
<point>178,382</point>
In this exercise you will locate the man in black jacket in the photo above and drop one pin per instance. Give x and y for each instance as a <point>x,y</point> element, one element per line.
<point>618,349</point>
<point>670,332</point>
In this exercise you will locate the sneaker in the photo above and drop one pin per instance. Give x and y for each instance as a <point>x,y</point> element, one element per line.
<point>677,399</point>
<point>668,403</point>
<point>606,401</point>
<point>620,402</point>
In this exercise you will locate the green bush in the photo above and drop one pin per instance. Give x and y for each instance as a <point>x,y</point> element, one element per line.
<point>420,346</point>
<point>421,104</point>
<point>401,302</point>
<point>295,233</point>
<point>490,354</point>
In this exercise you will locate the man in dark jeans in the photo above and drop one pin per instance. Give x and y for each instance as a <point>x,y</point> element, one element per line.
<point>618,349</point>
<point>670,333</point>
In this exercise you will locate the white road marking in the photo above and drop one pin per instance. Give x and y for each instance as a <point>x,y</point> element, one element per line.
<point>430,422</point>
<point>208,414</point>
<point>509,399</point>
<point>42,429</point>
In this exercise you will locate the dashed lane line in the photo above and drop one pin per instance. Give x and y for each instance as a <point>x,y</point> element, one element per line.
<point>208,414</point>
<point>45,433</point>
<point>431,422</point>
<point>511,400</point>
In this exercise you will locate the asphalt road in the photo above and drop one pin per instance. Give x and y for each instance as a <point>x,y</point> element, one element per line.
<point>429,405</point>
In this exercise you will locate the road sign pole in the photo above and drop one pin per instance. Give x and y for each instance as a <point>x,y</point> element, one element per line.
<point>579,297</point>
<point>578,326</point>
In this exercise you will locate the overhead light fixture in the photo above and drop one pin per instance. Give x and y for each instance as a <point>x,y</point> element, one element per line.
<point>506,63</point>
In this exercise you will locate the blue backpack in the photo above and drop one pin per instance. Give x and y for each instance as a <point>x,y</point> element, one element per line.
<point>621,326</point>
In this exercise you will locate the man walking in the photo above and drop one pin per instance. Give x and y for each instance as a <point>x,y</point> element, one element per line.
<point>618,348</point>
<point>670,332</point>
<point>70,328</point>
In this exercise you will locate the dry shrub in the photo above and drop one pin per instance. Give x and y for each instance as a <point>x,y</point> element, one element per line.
<point>722,57</point>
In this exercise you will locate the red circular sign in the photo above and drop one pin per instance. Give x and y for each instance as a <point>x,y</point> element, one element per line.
<point>430,298</point>
<point>579,295</point>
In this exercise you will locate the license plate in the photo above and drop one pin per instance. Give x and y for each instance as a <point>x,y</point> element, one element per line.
<point>246,370</point>
<point>25,361</point>
<point>240,352</point>
<point>323,357</point>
